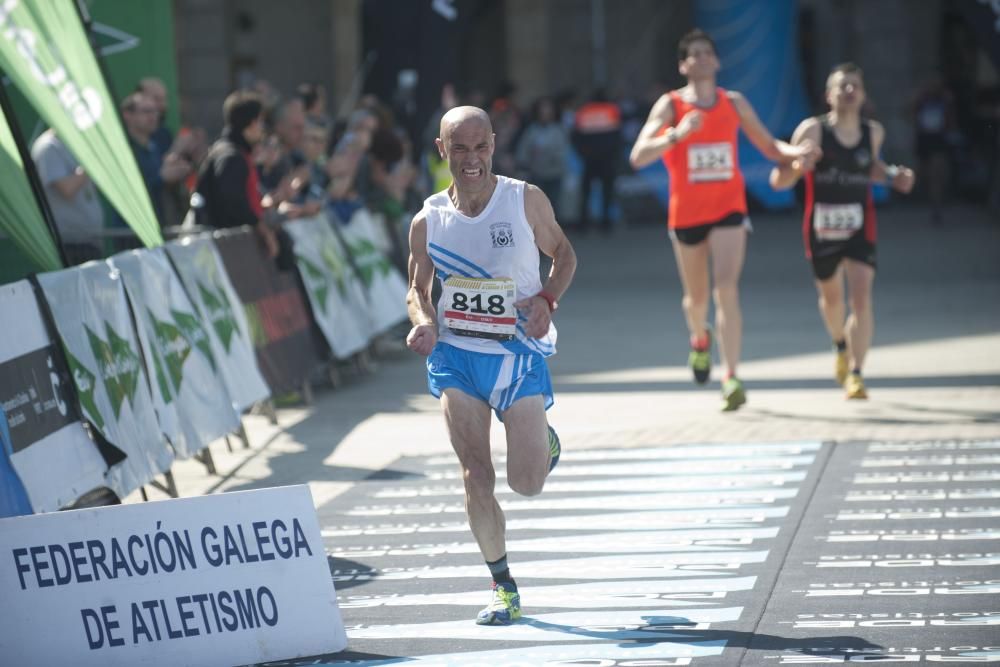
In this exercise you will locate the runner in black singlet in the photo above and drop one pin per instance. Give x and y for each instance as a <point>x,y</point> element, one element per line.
<point>838,225</point>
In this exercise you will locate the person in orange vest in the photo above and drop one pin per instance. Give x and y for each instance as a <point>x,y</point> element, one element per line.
<point>694,131</point>
<point>596,136</point>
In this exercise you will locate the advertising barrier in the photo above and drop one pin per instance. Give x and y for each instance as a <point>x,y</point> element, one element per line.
<point>280,329</point>
<point>92,319</point>
<point>201,272</point>
<point>192,404</point>
<point>48,447</point>
<point>335,293</point>
<point>385,285</point>
<point>222,579</point>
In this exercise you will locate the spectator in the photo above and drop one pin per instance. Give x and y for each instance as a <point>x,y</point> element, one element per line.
<point>72,197</point>
<point>140,116</point>
<point>290,126</point>
<point>342,168</point>
<point>542,151</point>
<point>314,151</point>
<point>228,189</point>
<point>156,92</point>
<point>597,138</point>
<point>271,165</point>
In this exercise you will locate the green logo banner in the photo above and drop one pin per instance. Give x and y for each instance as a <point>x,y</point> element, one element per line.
<point>219,328</point>
<point>338,297</point>
<point>220,313</point>
<point>45,52</point>
<point>192,406</point>
<point>119,366</point>
<point>192,330</point>
<point>385,285</point>
<point>174,346</point>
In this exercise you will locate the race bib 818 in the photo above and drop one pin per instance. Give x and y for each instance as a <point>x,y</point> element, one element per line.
<point>480,307</point>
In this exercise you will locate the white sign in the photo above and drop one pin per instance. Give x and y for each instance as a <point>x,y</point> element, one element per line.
<point>217,580</point>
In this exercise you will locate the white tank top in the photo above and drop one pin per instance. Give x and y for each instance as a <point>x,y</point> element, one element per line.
<point>497,243</point>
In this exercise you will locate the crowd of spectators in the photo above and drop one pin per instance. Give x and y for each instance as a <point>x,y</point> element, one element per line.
<point>285,156</point>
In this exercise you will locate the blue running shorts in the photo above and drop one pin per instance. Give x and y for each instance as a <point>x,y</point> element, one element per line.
<point>495,379</point>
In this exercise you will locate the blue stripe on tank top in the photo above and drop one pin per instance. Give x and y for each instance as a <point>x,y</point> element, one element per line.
<point>461,272</point>
<point>453,255</point>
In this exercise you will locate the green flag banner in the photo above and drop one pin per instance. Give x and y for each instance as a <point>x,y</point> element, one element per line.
<point>45,52</point>
<point>19,215</point>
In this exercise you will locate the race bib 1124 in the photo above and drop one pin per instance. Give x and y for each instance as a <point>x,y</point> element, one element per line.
<point>710,162</point>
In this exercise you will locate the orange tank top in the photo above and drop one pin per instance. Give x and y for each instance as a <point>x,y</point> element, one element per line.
<point>706,184</point>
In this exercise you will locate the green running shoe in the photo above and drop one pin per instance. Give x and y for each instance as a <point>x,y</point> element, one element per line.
<point>504,608</point>
<point>555,448</point>
<point>733,394</point>
<point>700,361</point>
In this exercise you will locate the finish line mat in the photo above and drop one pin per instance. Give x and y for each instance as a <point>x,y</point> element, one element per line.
<point>749,554</point>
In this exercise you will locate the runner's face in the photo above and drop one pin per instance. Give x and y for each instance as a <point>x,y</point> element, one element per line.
<point>701,62</point>
<point>469,152</point>
<point>845,91</point>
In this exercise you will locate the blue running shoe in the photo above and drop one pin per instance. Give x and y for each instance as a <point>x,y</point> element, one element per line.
<point>555,448</point>
<point>504,608</point>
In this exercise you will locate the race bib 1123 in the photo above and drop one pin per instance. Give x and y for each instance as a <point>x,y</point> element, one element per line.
<point>837,222</point>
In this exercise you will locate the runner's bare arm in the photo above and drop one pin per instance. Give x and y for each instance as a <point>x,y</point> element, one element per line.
<point>551,240</point>
<point>649,145</point>
<point>423,335</point>
<point>901,178</point>
<point>784,176</point>
<point>773,149</point>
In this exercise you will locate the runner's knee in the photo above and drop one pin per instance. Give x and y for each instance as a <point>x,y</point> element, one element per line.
<point>479,479</point>
<point>725,292</point>
<point>527,483</point>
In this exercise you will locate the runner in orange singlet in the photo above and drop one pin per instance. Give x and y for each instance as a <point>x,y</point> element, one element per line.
<point>694,130</point>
